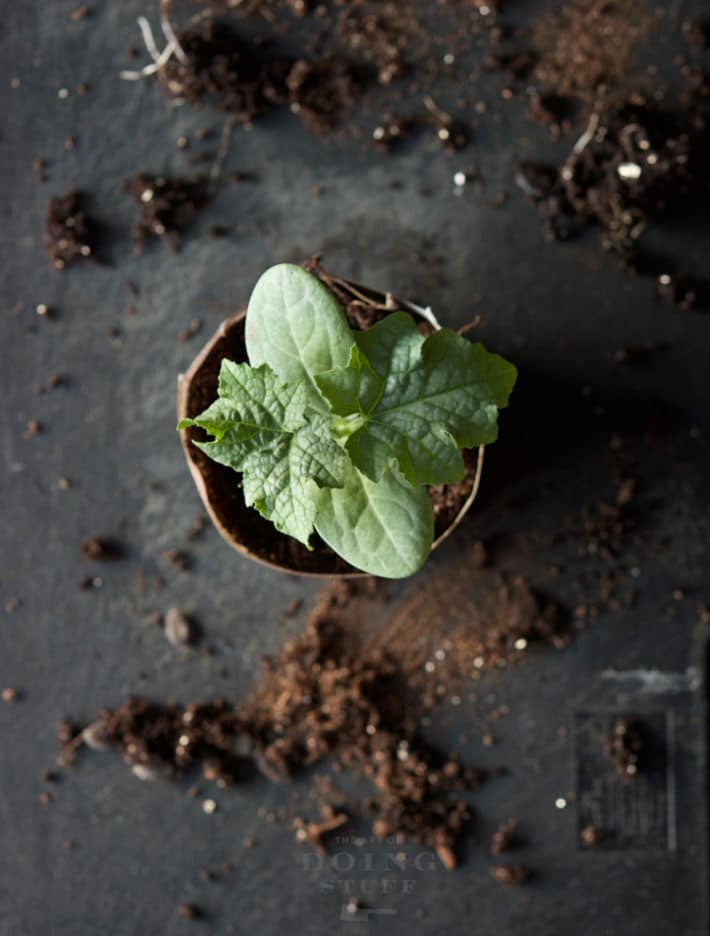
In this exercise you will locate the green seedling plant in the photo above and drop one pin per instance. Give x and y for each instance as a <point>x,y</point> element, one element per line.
<point>341,431</point>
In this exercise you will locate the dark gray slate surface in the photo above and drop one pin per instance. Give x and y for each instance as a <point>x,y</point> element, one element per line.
<point>558,311</point>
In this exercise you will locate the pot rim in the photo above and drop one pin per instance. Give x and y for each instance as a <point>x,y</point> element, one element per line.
<point>184,382</point>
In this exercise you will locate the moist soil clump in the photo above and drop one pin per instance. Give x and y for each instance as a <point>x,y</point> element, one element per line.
<point>166,206</point>
<point>347,695</point>
<point>226,72</point>
<point>69,233</point>
<point>635,163</point>
<point>323,93</point>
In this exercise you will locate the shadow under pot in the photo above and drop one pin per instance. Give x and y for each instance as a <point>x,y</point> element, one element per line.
<point>220,488</point>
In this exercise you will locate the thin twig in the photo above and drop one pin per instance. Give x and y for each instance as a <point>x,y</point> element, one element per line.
<point>162,60</point>
<point>437,111</point>
<point>588,135</point>
<point>469,326</point>
<point>222,153</point>
<point>567,171</point>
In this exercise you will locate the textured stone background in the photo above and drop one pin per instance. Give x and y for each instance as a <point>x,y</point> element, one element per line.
<point>557,311</point>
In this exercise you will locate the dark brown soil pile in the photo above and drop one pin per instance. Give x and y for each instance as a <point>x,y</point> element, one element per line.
<point>336,693</point>
<point>226,72</point>
<point>387,56</point>
<point>69,234</point>
<point>323,93</point>
<point>166,205</point>
<point>325,695</point>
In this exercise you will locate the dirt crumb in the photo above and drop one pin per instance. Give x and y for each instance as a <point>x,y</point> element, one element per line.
<point>69,233</point>
<point>323,93</point>
<point>505,837</point>
<point>101,548</point>
<point>511,874</point>
<point>167,205</point>
<point>624,746</point>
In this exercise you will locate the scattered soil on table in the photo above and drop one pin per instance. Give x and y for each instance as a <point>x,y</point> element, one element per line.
<point>166,205</point>
<point>335,692</point>
<point>636,163</point>
<point>455,626</point>
<point>226,72</point>
<point>69,234</point>
<point>390,54</point>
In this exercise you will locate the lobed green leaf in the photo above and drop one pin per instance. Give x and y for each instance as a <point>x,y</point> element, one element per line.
<point>438,395</point>
<point>286,453</point>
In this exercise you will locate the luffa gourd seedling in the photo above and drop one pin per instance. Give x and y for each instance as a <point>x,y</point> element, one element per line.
<point>341,431</point>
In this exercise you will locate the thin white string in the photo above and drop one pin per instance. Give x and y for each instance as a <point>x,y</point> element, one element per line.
<point>159,58</point>
<point>169,34</point>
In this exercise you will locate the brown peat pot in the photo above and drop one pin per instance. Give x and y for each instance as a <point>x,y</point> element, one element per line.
<point>220,488</point>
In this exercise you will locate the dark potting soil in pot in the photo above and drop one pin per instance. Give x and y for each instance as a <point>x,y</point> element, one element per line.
<point>223,487</point>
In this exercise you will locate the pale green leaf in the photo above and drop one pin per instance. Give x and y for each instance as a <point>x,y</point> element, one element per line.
<point>296,326</point>
<point>385,528</point>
